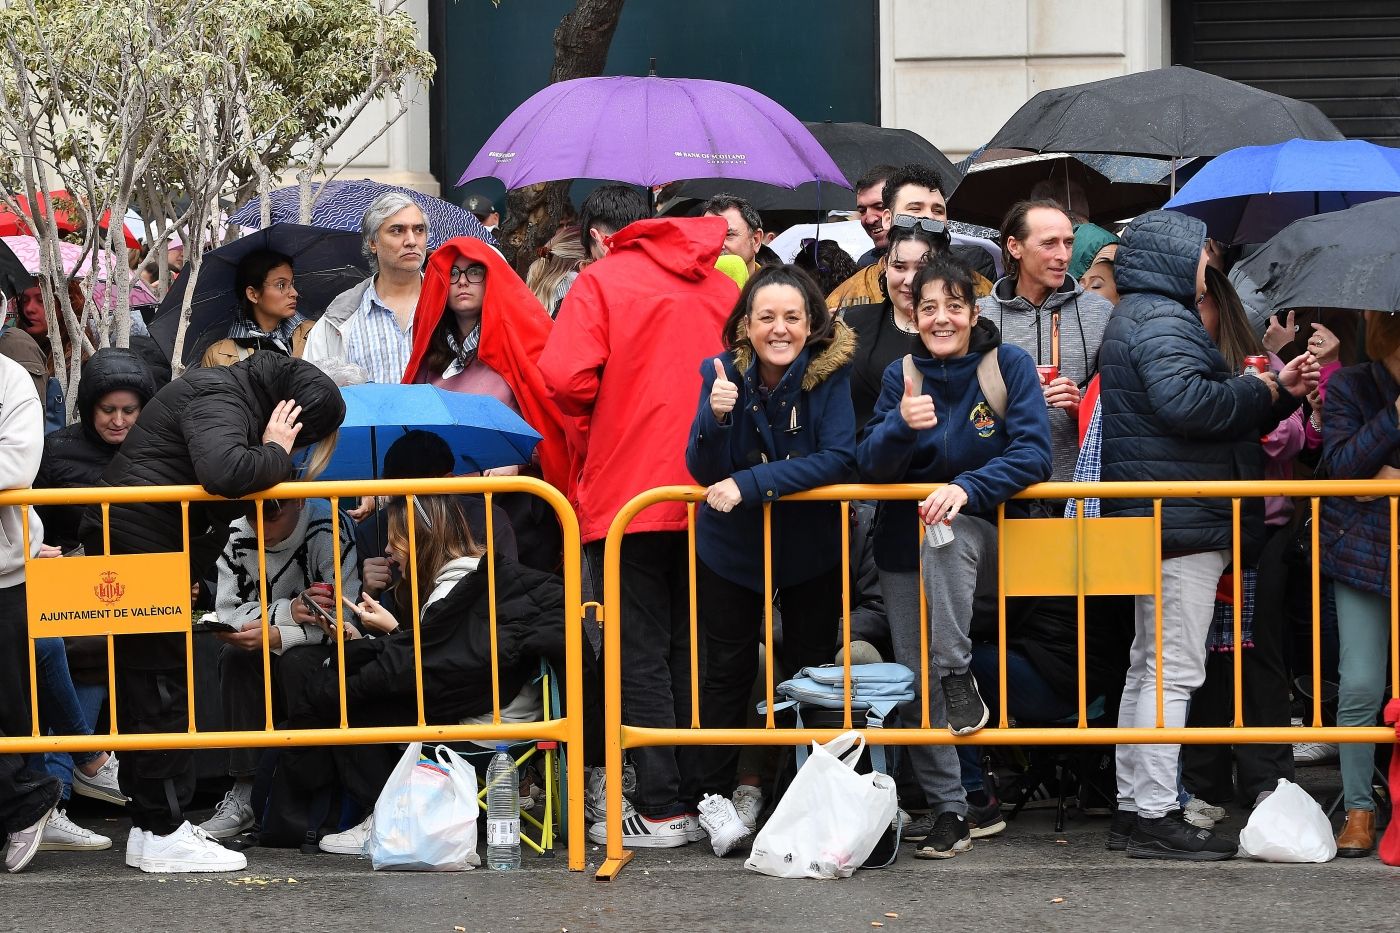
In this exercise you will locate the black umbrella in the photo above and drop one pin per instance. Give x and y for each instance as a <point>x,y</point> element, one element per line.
<point>1170,113</point>
<point>854,147</point>
<point>14,278</point>
<point>1001,177</point>
<point>325,262</point>
<point>1344,259</point>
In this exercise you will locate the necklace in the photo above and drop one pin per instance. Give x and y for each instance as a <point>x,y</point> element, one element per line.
<point>898,326</point>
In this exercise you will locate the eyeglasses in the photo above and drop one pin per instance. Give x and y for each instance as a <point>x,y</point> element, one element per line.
<point>282,285</point>
<point>936,228</point>
<point>473,274</point>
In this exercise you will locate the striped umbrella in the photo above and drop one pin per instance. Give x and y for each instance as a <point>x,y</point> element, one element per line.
<point>340,205</point>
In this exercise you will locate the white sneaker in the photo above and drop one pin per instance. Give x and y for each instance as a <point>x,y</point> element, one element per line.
<point>232,816</point>
<point>595,798</point>
<point>1200,808</point>
<point>719,818</point>
<point>1197,819</point>
<point>354,841</point>
<point>1314,753</point>
<point>748,803</point>
<point>640,832</point>
<point>63,835</point>
<point>135,847</point>
<point>102,785</point>
<point>188,849</point>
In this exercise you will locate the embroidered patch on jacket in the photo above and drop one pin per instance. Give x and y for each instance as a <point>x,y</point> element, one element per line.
<point>983,420</point>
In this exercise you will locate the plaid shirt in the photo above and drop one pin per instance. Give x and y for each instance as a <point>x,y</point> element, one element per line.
<point>1087,467</point>
<point>373,340</point>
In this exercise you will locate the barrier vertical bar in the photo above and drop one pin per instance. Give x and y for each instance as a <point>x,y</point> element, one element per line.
<point>1237,583</point>
<point>111,641</point>
<point>1157,602</point>
<point>1003,721</point>
<point>923,636</point>
<point>410,514</point>
<point>846,609</point>
<point>617,856</point>
<point>1394,604</point>
<point>691,560</point>
<point>1316,614</point>
<point>1081,584</point>
<point>262,607</point>
<point>33,655</point>
<point>193,726</point>
<point>768,608</point>
<point>336,579</point>
<point>491,609</point>
<point>574,646</point>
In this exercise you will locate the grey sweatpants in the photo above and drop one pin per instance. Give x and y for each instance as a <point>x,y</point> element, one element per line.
<point>955,576</point>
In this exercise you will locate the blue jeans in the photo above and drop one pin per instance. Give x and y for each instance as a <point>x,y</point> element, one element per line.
<point>1029,697</point>
<point>64,709</point>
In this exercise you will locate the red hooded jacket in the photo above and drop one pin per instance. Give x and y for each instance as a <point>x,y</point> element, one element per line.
<point>514,328</point>
<point>624,362</point>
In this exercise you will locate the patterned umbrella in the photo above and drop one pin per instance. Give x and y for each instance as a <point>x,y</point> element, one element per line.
<point>340,205</point>
<point>26,250</point>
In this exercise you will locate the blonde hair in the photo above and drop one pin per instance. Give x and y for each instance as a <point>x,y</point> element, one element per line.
<point>441,534</point>
<point>320,456</point>
<point>561,255</point>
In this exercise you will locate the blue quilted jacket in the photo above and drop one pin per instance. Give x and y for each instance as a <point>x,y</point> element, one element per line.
<point>1360,435</point>
<point>1172,409</point>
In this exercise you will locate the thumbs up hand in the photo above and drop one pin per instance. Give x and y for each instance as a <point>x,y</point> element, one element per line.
<point>917,410</point>
<point>724,395</point>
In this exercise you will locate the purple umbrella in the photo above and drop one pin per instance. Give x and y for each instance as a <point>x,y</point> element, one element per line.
<point>651,131</point>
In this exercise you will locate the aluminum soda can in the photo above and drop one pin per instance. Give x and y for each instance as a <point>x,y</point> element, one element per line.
<point>939,534</point>
<point>1257,364</point>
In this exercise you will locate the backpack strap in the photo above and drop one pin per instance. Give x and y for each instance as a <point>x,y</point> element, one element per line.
<point>989,378</point>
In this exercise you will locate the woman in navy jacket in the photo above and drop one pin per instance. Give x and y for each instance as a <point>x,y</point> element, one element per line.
<point>774,418</point>
<point>949,430</point>
<point>1361,440</point>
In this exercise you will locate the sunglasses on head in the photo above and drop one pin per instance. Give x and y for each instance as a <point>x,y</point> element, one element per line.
<point>935,228</point>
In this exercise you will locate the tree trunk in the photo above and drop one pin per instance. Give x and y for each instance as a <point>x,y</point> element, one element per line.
<point>532,213</point>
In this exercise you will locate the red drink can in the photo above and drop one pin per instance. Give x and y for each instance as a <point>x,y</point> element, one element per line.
<point>1048,374</point>
<point>1258,364</point>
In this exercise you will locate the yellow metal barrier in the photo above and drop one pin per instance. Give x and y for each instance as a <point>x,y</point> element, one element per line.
<point>1071,557</point>
<point>566,729</point>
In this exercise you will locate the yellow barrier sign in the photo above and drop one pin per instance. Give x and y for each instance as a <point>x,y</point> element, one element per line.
<point>119,595</point>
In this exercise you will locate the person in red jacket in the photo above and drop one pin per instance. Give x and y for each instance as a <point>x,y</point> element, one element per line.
<point>624,359</point>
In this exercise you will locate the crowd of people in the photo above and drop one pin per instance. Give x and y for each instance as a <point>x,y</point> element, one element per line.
<point>652,351</point>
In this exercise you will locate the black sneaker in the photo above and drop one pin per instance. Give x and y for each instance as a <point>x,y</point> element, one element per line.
<point>950,835</point>
<point>985,820</point>
<point>966,711</point>
<point>1171,837</point>
<point>1124,821</point>
<point>920,828</point>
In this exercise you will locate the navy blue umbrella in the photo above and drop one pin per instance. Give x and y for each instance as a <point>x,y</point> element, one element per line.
<point>340,205</point>
<point>482,432</point>
<point>324,262</point>
<point>1248,194</point>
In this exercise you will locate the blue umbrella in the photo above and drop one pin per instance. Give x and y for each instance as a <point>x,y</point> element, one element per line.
<point>1248,194</point>
<point>482,432</point>
<point>341,204</point>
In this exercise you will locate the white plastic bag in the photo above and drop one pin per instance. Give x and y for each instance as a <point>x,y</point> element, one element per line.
<point>1288,826</point>
<point>829,820</point>
<point>425,819</point>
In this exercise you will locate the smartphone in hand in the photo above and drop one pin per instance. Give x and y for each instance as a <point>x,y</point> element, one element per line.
<point>317,610</point>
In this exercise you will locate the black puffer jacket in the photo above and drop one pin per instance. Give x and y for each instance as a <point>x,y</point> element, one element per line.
<point>207,428</point>
<point>456,634</point>
<point>75,456</point>
<point>1172,410</point>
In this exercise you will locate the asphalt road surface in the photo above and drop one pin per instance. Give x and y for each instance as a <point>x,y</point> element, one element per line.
<point>1027,878</point>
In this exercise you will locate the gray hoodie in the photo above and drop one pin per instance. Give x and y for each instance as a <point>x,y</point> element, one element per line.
<point>1083,317</point>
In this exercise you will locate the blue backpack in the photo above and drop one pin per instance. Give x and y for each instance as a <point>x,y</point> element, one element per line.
<point>876,689</point>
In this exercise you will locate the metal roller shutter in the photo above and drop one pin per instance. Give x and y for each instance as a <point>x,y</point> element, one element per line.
<point>1342,55</point>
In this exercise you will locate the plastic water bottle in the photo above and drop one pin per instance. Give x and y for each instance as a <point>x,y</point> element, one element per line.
<point>502,812</point>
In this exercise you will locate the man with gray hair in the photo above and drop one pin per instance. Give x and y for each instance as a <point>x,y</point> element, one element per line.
<point>371,325</point>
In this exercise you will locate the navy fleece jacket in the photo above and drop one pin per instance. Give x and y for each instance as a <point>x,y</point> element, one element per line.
<point>991,458</point>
